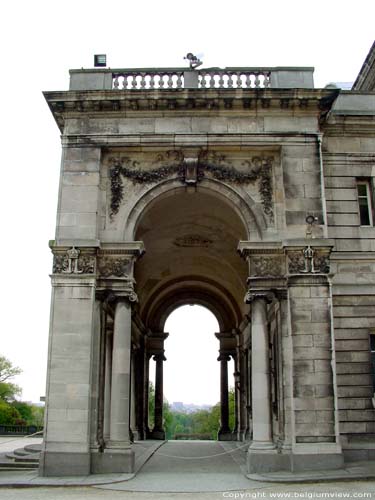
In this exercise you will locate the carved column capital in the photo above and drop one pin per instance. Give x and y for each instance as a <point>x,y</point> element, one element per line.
<point>224,356</point>
<point>159,357</point>
<point>253,295</point>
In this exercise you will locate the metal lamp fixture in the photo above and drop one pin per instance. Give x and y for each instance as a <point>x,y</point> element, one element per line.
<point>100,60</point>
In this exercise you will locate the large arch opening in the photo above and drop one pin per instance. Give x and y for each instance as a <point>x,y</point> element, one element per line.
<point>191,238</point>
<point>191,389</point>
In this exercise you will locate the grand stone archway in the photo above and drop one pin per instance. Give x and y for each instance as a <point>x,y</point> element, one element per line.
<point>191,236</point>
<point>178,196</point>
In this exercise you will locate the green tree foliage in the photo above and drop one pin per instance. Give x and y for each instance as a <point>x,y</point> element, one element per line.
<point>8,390</point>
<point>201,422</point>
<point>13,412</point>
<point>9,415</point>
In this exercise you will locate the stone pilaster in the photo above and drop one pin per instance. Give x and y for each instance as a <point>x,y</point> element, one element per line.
<point>73,356</point>
<point>315,435</point>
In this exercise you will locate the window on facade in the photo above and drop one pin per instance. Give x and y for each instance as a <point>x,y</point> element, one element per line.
<point>364,202</point>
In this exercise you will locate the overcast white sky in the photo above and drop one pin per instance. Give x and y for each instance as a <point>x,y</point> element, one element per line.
<point>41,40</point>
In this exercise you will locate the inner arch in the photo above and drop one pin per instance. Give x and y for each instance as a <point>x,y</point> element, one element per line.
<point>191,238</point>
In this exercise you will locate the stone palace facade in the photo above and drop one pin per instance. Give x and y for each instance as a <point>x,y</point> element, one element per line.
<point>247,191</point>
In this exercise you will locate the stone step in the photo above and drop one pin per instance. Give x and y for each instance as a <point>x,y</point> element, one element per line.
<point>21,452</point>
<point>11,466</point>
<point>29,458</point>
<point>33,448</point>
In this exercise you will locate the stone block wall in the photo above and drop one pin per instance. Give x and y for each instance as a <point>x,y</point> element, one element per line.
<point>349,156</point>
<point>313,391</point>
<point>77,216</point>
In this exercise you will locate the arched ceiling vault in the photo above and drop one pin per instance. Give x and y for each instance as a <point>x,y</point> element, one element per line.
<point>191,240</point>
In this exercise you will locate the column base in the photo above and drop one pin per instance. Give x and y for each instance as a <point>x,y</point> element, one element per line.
<point>262,445</point>
<point>225,435</point>
<point>296,460</point>
<point>137,435</point>
<point>317,456</point>
<point>157,434</point>
<point>57,463</point>
<point>112,461</point>
<point>266,460</point>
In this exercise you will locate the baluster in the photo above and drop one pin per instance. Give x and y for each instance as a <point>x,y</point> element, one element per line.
<point>230,80</point>
<point>179,80</point>
<point>170,80</point>
<point>267,80</point>
<point>239,80</point>
<point>212,80</point>
<point>202,80</point>
<point>248,81</point>
<point>143,80</point>
<point>152,81</point>
<point>221,80</point>
<point>115,82</point>
<point>257,81</point>
<point>134,81</point>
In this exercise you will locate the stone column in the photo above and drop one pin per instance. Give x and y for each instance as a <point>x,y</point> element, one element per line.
<point>146,384</point>
<point>224,431</point>
<point>119,420</point>
<point>236,378</point>
<point>158,430</point>
<point>260,373</point>
<point>133,410</point>
<point>107,384</point>
<point>243,399</point>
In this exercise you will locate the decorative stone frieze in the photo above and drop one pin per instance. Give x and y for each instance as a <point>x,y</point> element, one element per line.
<point>190,170</point>
<point>116,267</point>
<point>73,261</point>
<point>308,260</point>
<point>266,265</point>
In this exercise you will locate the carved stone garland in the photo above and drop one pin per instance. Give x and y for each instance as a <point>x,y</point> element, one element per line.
<point>215,164</point>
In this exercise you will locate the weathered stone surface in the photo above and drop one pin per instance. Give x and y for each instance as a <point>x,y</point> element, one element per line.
<point>192,172</point>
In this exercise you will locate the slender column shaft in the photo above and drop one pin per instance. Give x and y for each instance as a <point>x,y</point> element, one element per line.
<point>159,393</point>
<point>133,416</point>
<point>224,400</point>
<point>243,393</point>
<point>107,385</point>
<point>236,394</point>
<point>120,393</point>
<point>262,424</point>
<point>146,392</point>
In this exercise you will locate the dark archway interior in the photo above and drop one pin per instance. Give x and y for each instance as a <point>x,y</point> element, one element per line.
<point>191,240</point>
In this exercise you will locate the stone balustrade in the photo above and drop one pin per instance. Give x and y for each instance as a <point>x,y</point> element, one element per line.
<point>183,78</point>
<point>217,78</point>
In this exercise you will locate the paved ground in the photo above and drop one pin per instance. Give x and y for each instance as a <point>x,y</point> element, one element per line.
<point>190,466</point>
<point>12,442</point>
<point>185,471</point>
